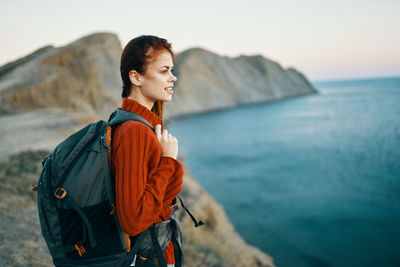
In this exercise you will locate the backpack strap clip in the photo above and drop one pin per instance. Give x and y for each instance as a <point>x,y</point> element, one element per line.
<point>60,193</point>
<point>196,223</point>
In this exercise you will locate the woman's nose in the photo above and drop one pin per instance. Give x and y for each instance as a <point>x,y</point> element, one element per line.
<point>173,77</point>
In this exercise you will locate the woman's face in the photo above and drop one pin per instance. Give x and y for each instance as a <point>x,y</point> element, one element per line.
<point>157,82</point>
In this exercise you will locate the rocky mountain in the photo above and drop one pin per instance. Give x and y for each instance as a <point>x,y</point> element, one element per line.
<point>54,91</point>
<point>82,76</point>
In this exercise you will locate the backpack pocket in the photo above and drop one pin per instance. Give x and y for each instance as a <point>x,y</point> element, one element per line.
<point>104,228</point>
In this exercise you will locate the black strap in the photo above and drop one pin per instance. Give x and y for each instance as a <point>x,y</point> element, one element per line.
<point>196,224</point>
<point>157,247</point>
<point>135,247</point>
<point>85,232</point>
<point>178,253</point>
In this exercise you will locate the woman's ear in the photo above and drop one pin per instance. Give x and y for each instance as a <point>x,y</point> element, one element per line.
<point>134,76</point>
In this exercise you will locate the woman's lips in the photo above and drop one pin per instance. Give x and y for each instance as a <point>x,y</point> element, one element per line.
<point>169,90</point>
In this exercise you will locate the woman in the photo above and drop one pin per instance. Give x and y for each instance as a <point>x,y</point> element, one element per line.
<point>148,177</point>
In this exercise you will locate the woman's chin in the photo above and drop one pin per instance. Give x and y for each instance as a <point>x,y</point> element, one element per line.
<point>164,100</point>
<point>167,99</point>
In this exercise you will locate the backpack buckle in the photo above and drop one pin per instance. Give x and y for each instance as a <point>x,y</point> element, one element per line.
<point>172,205</point>
<point>113,210</point>
<point>60,193</point>
<point>80,248</point>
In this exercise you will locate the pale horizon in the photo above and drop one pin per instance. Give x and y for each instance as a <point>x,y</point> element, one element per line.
<point>321,39</point>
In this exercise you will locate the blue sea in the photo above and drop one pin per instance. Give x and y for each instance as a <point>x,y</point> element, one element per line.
<point>313,180</point>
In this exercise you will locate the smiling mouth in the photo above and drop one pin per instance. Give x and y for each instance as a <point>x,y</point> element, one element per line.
<point>169,90</point>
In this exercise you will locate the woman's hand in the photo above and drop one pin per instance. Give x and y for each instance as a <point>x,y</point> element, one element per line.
<point>168,142</point>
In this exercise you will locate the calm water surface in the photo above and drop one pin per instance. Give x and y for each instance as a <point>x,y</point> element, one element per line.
<point>312,181</point>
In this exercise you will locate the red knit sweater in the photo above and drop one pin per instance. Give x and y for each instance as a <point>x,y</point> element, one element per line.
<point>146,183</point>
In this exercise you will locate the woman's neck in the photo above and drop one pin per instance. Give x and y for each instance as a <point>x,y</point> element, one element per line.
<point>141,100</point>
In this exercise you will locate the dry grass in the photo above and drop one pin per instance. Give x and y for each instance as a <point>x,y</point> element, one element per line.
<point>21,241</point>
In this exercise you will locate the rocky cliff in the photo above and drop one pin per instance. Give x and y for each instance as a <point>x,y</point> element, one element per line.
<point>207,81</point>
<point>54,91</point>
<point>216,243</point>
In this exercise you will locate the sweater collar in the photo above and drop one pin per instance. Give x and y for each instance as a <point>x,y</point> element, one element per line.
<point>145,113</point>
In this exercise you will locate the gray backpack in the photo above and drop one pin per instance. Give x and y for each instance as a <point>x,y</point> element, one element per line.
<point>76,205</point>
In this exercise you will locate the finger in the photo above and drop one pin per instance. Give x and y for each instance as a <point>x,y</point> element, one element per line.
<point>158,131</point>
<point>165,133</point>
<point>171,137</point>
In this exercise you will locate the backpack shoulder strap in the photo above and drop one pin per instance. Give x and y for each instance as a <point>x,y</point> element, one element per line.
<point>120,116</point>
<point>117,117</point>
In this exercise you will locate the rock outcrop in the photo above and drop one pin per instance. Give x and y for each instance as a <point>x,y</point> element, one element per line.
<point>207,82</point>
<point>82,76</point>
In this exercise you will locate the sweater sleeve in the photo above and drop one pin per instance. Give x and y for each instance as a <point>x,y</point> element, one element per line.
<point>141,176</point>
<point>175,184</point>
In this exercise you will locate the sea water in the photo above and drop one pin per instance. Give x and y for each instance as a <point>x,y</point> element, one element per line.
<point>313,180</point>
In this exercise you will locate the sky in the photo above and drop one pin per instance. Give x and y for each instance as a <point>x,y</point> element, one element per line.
<point>323,39</point>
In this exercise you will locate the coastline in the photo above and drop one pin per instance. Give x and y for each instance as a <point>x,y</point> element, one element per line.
<point>222,109</point>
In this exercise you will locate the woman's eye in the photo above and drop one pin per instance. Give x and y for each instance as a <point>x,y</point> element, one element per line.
<point>165,71</point>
